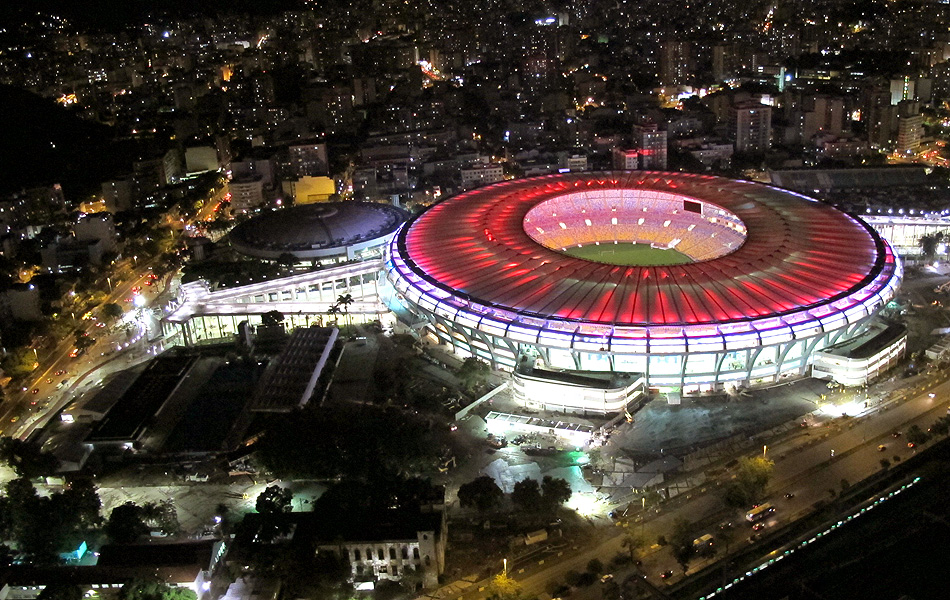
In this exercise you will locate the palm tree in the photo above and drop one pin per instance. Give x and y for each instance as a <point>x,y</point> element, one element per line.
<point>333,310</point>
<point>344,302</point>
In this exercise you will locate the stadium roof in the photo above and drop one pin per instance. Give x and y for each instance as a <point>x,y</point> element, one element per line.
<point>309,228</point>
<point>814,180</point>
<point>472,251</point>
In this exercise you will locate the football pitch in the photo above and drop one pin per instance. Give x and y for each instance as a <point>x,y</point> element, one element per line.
<point>631,255</point>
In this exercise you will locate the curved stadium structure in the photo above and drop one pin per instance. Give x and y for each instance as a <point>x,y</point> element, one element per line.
<point>694,281</point>
<point>320,231</point>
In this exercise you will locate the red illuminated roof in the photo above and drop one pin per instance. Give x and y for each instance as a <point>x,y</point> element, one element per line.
<point>797,253</point>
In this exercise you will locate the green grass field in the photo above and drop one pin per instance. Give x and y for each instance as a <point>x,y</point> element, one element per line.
<point>633,255</point>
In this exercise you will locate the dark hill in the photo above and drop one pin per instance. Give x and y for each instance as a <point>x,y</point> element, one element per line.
<point>44,143</point>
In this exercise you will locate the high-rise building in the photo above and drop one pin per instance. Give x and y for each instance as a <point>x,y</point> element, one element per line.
<point>247,193</point>
<point>879,116</point>
<point>902,88</point>
<point>626,160</point>
<point>308,160</point>
<point>910,125</point>
<point>651,144</point>
<point>676,63</point>
<point>117,194</point>
<point>750,126</point>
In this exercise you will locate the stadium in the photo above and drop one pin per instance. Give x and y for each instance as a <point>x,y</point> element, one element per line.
<point>326,231</point>
<point>696,282</point>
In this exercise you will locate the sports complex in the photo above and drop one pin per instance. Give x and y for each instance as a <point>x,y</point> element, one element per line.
<point>696,282</point>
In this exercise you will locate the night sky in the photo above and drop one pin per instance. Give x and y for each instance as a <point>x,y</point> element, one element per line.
<point>112,14</point>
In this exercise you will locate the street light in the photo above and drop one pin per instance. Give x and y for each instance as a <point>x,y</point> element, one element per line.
<point>765,449</point>
<point>505,560</point>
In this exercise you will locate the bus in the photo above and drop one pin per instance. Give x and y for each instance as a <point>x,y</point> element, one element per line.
<point>759,512</point>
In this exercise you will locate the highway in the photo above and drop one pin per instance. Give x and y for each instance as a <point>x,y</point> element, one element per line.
<point>804,466</point>
<point>19,416</point>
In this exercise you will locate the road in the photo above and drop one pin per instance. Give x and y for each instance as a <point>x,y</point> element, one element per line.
<point>19,414</point>
<point>804,466</point>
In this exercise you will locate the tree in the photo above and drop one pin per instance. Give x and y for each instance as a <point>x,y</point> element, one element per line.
<point>344,302</point>
<point>19,363</point>
<point>681,542</point>
<point>154,589</point>
<point>481,493</point>
<point>271,503</point>
<point>162,516</point>
<point>916,435</point>
<point>726,536</point>
<point>82,340</point>
<point>286,260</point>
<point>503,587</point>
<point>634,542</point>
<point>473,372</point>
<point>61,591</point>
<point>274,500</point>
<point>526,494</point>
<point>555,491</point>
<point>112,311</point>
<point>26,459</point>
<point>941,426</point>
<point>752,477</point>
<point>126,523</point>
<point>272,318</point>
<point>595,566</point>
<point>929,243</point>
<point>81,501</point>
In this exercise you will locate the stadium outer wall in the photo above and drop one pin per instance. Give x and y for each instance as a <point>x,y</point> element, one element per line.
<point>691,357</point>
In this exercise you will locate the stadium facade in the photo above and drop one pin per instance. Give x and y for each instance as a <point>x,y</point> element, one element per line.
<point>770,277</point>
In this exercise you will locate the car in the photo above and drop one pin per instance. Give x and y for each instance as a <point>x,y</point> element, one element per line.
<point>49,380</point>
<point>789,496</point>
<point>896,434</point>
<point>606,578</point>
<point>666,574</point>
<point>758,527</point>
<point>911,445</point>
<point>931,395</point>
<point>881,448</point>
<point>15,419</point>
<point>136,289</point>
<point>32,402</point>
<point>35,391</point>
<point>60,372</point>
